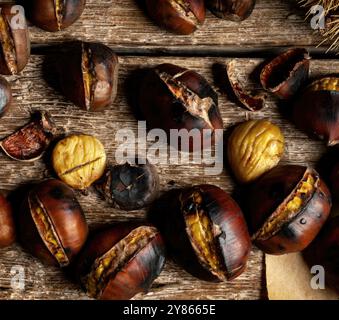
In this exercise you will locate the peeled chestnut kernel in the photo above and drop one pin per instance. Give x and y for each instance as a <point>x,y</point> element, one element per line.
<point>178,16</point>
<point>172,97</point>
<point>121,261</point>
<point>288,206</point>
<point>89,76</point>
<point>206,232</point>
<point>54,15</point>
<point>130,187</point>
<point>235,10</point>
<point>52,225</point>
<point>254,147</point>
<point>5,96</point>
<point>316,110</point>
<point>79,160</point>
<point>285,74</point>
<point>15,45</point>
<point>29,143</point>
<point>7,226</point>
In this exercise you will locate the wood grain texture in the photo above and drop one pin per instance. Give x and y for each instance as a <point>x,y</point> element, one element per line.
<point>124,25</point>
<point>33,90</point>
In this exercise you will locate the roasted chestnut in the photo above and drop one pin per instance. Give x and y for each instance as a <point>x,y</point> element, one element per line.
<point>121,261</point>
<point>235,10</point>
<point>79,160</point>
<point>15,45</point>
<point>178,16</point>
<point>130,186</point>
<point>285,74</point>
<point>51,223</point>
<point>205,231</point>
<point>54,15</point>
<point>254,147</point>
<point>335,181</point>
<point>176,98</point>
<point>316,110</point>
<point>324,251</point>
<point>287,207</point>
<point>29,143</point>
<point>7,226</point>
<point>89,76</point>
<point>5,96</point>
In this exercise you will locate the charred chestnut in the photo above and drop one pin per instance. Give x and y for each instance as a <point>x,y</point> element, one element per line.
<point>7,226</point>
<point>178,16</point>
<point>54,15</point>
<point>316,110</point>
<point>288,206</point>
<point>5,96</point>
<point>172,97</point>
<point>52,225</point>
<point>15,45</point>
<point>121,261</point>
<point>235,10</point>
<point>130,186</point>
<point>285,74</point>
<point>31,141</point>
<point>206,232</point>
<point>89,76</point>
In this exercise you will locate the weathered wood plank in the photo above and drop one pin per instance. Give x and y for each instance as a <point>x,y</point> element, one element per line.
<point>123,25</point>
<point>31,92</point>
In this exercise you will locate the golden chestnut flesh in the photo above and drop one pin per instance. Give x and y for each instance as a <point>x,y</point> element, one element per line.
<point>79,160</point>
<point>287,207</point>
<point>254,147</point>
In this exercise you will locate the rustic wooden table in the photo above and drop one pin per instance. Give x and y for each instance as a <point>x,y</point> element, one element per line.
<point>123,25</point>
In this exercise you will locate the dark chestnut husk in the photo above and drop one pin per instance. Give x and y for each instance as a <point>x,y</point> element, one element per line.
<point>234,10</point>
<point>89,76</point>
<point>5,96</point>
<point>121,261</point>
<point>51,223</point>
<point>54,15</point>
<point>178,16</point>
<point>205,231</point>
<point>172,97</point>
<point>129,186</point>
<point>30,142</point>
<point>286,74</point>
<point>15,46</point>
<point>7,225</point>
<point>287,207</point>
<point>316,110</point>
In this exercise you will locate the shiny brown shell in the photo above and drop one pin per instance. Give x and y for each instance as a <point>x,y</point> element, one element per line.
<point>234,10</point>
<point>287,207</point>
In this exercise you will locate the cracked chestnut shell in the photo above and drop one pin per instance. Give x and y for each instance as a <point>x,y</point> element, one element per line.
<point>15,47</point>
<point>7,226</point>
<point>178,16</point>
<point>287,207</point>
<point>121,261</point>
<point>51,223</point>
<point>205,231</point>
<point>89,76</point>
<point>234,10</point>
<point>129,186</point>
<point>5,96</point>
<point>172,97</point>
<point>285,74</point>
<point>316,110</point>
<point>54,15</point>
<point>254,147</point>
